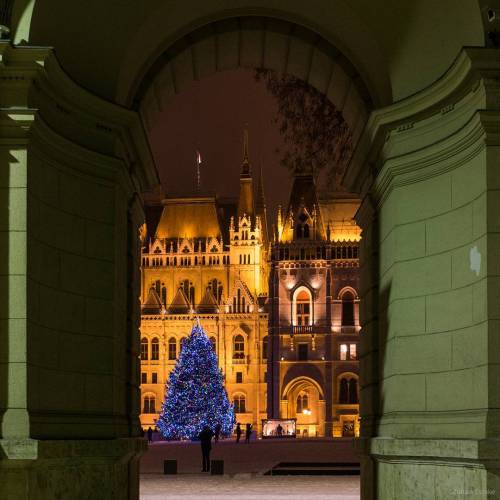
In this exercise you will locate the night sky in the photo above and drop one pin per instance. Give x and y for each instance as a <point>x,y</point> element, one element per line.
<point>210,116</point>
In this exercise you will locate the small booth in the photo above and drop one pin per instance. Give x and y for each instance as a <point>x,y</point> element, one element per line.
<point>279,428</point>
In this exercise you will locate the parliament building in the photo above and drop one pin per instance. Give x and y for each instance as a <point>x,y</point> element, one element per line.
<point>279,302</point>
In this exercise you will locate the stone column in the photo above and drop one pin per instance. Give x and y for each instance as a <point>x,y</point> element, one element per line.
<point>431,279</point>
<point>71,171</point>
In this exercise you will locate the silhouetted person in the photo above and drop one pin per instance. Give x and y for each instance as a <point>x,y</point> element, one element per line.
<point>150,435</point>
<point>218,428</point>
<point>238,432</point>
<point>205,437</point>
<point>279,430</point>
<point>248,433</point>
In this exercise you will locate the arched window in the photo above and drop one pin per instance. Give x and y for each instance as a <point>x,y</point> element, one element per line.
<point>214,343</point>
<point>155,349</point>
<point>303,308</point>
<point>144,348</point>
<point>348,390</point>
<point>264,347</point>
<point>302,402</point>
<point>239,403</point>
<point>348,309</point>
<point>172,348</point>
<point>149,404</point>
<point>238,347</point>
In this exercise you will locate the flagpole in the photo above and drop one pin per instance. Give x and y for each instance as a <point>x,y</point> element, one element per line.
<point>198,175</point>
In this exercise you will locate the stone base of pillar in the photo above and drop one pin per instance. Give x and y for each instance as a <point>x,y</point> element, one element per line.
<point>70,469</point>
<point>397,469</point>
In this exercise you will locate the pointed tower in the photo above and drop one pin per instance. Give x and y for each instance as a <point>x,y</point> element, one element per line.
<point>246,200</point>
<point>260,205</point>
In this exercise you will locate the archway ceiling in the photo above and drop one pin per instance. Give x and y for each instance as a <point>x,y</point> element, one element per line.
<point>397,46</point>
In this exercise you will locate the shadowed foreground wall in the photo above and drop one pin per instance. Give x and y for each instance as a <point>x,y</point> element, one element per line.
<point>70,216</point>
<point>430,360</point>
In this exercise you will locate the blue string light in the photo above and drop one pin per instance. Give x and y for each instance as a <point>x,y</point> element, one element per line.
<point>194,394</point>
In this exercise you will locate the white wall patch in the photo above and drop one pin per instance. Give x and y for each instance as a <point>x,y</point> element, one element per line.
<point>475,260</point>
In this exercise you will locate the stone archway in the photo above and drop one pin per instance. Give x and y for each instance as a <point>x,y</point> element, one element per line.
<point>425,165</point>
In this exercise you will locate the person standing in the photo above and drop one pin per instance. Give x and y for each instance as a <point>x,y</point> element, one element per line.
<point>248,433</point>
<point>218,429</point>
<point>150,435</point>
<point>205,437</point>
<point>279,430</point>
<point>238,432</point>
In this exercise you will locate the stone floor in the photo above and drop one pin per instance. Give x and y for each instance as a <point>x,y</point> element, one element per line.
<point>248,487</point>
<point>257,457</point>
<point>244,465</point>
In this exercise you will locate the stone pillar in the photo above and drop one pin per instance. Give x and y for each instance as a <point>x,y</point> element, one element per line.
<point>329,354</point>
<point>273,353</point>
<point>430,284</point>
<point>71,171</point>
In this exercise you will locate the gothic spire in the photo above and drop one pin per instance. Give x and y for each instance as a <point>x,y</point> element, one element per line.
<point>246,170</point>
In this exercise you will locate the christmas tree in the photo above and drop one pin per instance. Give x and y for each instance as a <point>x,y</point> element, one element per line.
<point>194,394</point>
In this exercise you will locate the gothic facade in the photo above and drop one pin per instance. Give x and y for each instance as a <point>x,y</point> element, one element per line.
<point>214,258</point>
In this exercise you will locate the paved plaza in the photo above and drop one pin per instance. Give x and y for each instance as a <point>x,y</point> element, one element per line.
<point>244,467</point>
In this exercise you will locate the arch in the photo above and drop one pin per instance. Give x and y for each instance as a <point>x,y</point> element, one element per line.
<point>301,381</point>
<point>172,348</point>
<point>302,306</point>
<point>144,349</point>
<point>347,289</point>
<point>155,349</point>
<point>257,42</point>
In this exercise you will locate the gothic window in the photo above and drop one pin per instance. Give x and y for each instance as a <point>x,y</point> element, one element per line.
<point>158,287</point>
<point>213,249</point>
<point>214,343</point>
<point>172,348</point>
<point>348,390</point>
<point>155,349</point>
<point>157,250</point>
<point>239,377</point>
<point>264,347</point>
<point>188,289</point>
<point>144,348</point>
<point>164,295</point>
<point>149,404</point>
<point>185,249</point>
<point>303,308</point>
<point>216,287</point>
<point>144,378</point>
<point>302,402</point>
<point>154,378</point>
<point>238,347</point>
<point>347,309</point>
<point>239,403</point>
